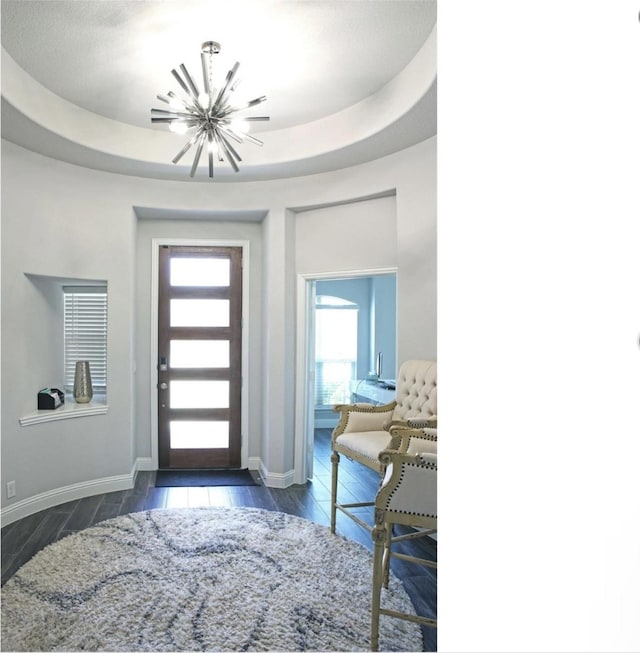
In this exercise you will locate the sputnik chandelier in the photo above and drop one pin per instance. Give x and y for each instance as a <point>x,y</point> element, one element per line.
<point>211,113</point>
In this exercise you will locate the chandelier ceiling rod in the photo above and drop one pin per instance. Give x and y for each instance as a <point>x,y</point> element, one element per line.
<point>210,113</point>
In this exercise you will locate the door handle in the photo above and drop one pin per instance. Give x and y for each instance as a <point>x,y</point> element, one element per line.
<point>163,386</point>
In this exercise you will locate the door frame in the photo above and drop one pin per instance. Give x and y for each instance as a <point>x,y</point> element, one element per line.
<point>305,360</point>
<point>156,243</point>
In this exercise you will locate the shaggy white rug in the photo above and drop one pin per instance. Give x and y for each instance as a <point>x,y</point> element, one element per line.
<point>200,579</point>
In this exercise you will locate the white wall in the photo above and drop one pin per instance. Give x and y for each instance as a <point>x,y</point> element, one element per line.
<point>56,222</point>
<point>63,220</point>
<point>356,236</point>
<point>417,268</point>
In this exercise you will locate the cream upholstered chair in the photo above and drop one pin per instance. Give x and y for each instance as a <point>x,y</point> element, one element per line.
<point>407,495</point>
<point>363,430</point>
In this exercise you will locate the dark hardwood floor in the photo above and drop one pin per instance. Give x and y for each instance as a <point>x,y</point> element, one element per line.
<point>22,539</point>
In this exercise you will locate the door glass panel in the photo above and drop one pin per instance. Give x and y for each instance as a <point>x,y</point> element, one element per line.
<point>200,272</point>
<point>199,394</point>
<point>199,353</point>
<point>199,312</point>
<point>199,435</point>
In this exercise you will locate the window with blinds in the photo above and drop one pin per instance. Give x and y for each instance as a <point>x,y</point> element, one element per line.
<point>85,334</point>
<point>336,349</point>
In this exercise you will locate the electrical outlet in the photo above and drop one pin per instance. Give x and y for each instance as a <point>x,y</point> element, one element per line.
<point>11,489</point>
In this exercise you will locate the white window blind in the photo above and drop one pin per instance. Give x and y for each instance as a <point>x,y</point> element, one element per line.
<point>85,334</point>
<point>336,350</point>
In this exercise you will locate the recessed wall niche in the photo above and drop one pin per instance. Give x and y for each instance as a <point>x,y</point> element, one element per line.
<point>44,337</point>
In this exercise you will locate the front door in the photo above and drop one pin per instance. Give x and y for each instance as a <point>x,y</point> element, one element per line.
<point>199,357</point>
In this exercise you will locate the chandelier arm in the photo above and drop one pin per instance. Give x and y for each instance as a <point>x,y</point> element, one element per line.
<point>194,89</point>
<point>183,151</point>
<point>210,153</point>
<point>252,103</point>
<point>251,139</point>
<point>230,147</point>
<point>228,132</point>
<point>257,118</point>
<point>178,114</point>
<point>226,111</point>
<point>223,91</point>
<point>196,158</point>
<point>170,121</point>
<point>227,153</point>
<point>185,88</point>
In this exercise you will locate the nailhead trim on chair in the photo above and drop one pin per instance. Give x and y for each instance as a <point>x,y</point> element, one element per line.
<point>409,512</point>
<point>348,453</point>
<point>369,409</point>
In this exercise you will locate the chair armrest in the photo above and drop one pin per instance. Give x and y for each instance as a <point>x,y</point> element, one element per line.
<point>413,423</point>
<point>413,441</point>
<point>400,423</point>
<point>423,422</point>
<point>356,418</point>
<point>410,483</point>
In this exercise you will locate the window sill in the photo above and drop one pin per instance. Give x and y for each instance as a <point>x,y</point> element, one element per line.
<point>70,410</point>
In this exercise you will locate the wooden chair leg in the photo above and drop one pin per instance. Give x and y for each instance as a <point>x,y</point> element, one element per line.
<point>379,536</point>
<point>335,461</point>
<point>386,557</point>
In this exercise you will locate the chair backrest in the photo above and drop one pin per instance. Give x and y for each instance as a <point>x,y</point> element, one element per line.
<point>416,390</point>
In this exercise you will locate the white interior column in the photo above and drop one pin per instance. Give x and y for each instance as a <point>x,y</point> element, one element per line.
<point>277,451</point>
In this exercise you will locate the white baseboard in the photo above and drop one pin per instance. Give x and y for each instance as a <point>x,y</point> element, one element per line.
<point>60,495</point>
<point>280,481</point>
<point>270,479</point>
<point>254,463</point>
<point>72,492</point>
<point>146,465</point>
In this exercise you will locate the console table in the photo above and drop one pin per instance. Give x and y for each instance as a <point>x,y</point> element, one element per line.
<point>370,392</point>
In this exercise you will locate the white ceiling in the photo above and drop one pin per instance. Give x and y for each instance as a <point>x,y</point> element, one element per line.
<point>346,80</point>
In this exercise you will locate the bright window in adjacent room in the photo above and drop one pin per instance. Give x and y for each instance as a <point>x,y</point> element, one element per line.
<point>85,334</point>
<point>336,349</point>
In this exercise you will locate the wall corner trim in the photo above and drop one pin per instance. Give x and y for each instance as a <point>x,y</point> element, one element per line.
<point>279,481</point>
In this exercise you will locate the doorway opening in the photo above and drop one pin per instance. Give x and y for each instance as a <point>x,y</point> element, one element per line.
<point>350,336</point>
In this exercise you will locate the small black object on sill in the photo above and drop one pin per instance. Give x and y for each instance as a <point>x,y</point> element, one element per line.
<point>50,398</point>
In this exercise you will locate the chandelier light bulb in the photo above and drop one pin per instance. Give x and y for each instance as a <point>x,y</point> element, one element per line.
<point>209,112</point>
<point>239,125</point>
<point>178,127</point>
